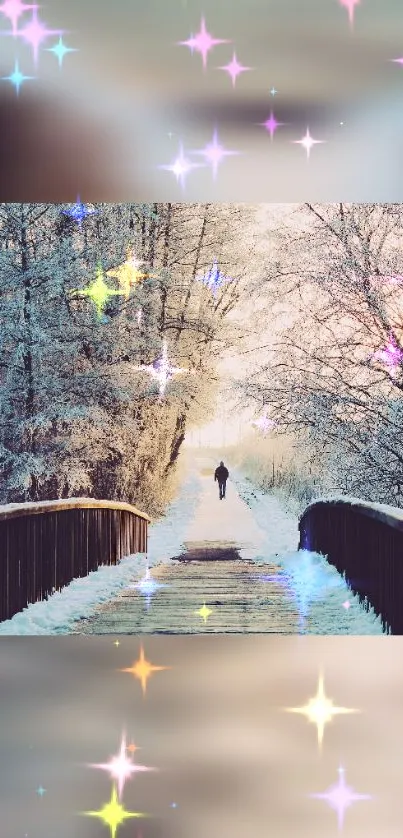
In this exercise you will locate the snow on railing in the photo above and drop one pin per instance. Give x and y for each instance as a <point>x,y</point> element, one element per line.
<point>364,541</point>
<point>45,545</point>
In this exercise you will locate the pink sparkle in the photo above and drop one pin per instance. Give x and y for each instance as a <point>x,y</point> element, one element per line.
<point>264,424</point>
<point>350,6</point>
<point>308,142</point>
<point>397,60</point>
<point>36,32</point>
<point>203,42</point>
<point>121,767</point>
<point>393,280</point>
<point>271,124</point>
<point>391,354</point>
<point>340,797</point>
<point>234,69</point>
<point>346,605</point>
<point>214,152</point>
<point>13,9</point>
<point>181,166</point>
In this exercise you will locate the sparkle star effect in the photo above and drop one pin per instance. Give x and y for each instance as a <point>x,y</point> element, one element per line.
<point>161,370</point>
<point>397,60</point>
<point>307,142</point>
<point>148,586</point>
<point>79,211</point>
<point>60,50</point>
<point>143,669</point>
<point>393,280</point>
<point>41,791</point>
<point>203,42</point>
<point>113,813</point>
<point>214,279</point>
<point>98,292</point>
<point>35,32</point>
<point>214,152</point>
<point>16,77</point>
<point>346,605</point>
<point>181,166</point>
<point>304,582</point>
<point>264,424</point>
<point>191,43</point>
<point>273,91</point>
<point>320,710</point>
<point>271,124</point>
<point>128,274</point>
<point>121,767</point>
<point>13,9</point>
<point>350,6</point>
<point>390,355</point>
<point>340,796</point>
<point>234,69</point>
<point>204,612</point>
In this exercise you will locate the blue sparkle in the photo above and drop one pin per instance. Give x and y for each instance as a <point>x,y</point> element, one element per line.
<point>16,77</point>
<point>214,279</point>
<point>148,586</point>
<point>79,212</point>
<point>60,50</point>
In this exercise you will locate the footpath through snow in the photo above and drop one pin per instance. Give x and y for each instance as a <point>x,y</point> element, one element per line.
<point>256,523</point>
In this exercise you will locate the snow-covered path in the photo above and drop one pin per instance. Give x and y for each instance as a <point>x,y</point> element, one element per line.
<point>227,521</point>
<point>268,587</point>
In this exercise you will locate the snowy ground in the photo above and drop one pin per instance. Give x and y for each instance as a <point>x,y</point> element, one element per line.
<point>257,523</point>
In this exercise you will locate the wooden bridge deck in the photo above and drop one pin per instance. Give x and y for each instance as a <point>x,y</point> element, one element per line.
<point>213,574</point>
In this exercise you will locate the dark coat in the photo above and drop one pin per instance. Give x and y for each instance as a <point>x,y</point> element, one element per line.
<point>221,474</point>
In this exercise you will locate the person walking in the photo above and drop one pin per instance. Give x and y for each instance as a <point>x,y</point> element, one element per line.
<point>221,474</point>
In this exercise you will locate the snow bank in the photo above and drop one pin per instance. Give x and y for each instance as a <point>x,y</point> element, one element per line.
<point>57,614</point>
<point>261,527</point>
<point>326,604</point>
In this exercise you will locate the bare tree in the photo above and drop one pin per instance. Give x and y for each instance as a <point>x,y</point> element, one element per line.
<point>334,376</point>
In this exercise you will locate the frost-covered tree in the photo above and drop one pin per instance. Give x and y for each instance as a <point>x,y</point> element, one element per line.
<point>334,376</point>
<point>78,415</point>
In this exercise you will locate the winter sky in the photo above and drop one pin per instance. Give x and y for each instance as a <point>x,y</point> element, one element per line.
<point>230,426</point>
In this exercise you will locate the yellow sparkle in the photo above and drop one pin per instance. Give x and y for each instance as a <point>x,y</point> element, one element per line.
<point>204,612</point>
<point>128,274</point>
<point>320,710</point>
<point>142,669</point>
<point>116,643</point>
<point>113,813</point>
<point>98,291</point>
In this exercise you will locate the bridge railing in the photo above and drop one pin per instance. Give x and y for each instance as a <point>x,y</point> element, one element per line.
<point>364,541</point>
<point>44,546</point>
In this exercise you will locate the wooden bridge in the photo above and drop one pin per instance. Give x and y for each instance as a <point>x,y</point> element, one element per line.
<point>242,597</point>
<point>44,546</point>
<point>364,541</point>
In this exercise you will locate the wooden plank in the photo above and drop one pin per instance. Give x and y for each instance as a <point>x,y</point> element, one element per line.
<point>16,510</point>
<point>239,600</point>
<point>366,548</point>
<point>40,553</point>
